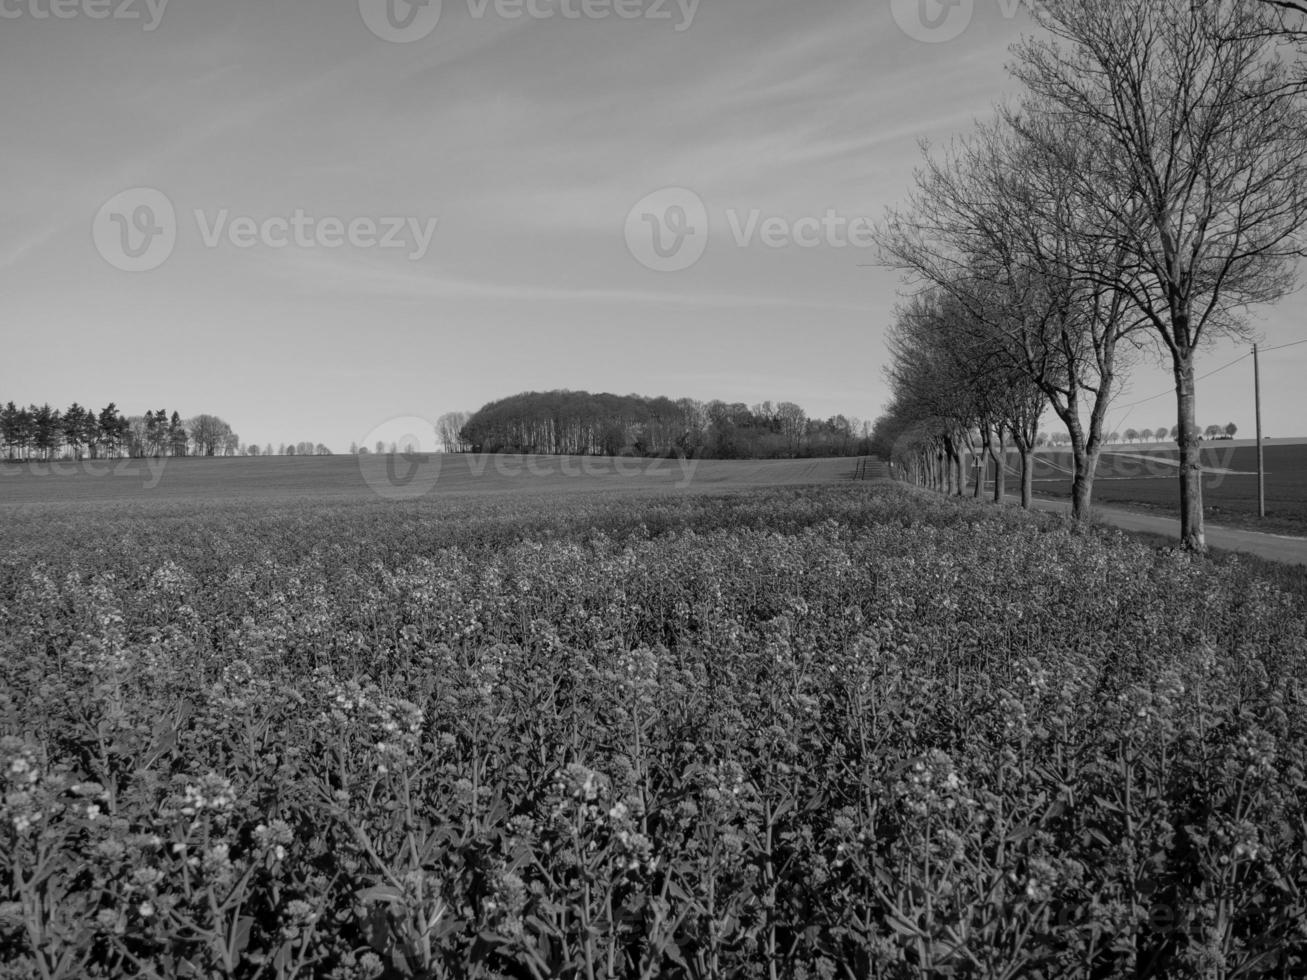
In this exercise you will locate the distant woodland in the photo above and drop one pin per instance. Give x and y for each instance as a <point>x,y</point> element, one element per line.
<point>578,423</point>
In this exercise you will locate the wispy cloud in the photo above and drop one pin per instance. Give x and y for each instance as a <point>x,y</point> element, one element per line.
<point>357,277</point>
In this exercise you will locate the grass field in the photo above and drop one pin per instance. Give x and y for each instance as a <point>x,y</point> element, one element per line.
<point>342,478</point>
<point>1148,477</point>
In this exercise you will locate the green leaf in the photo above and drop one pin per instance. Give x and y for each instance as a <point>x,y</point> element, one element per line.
<point>240,939</point>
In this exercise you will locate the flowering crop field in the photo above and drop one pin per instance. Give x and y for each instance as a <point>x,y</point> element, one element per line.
<point>843,731</point>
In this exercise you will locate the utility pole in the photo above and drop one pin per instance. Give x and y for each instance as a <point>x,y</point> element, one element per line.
<point>1261,459</point>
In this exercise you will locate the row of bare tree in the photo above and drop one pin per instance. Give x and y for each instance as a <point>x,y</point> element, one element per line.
<point>1145,190</point>
<point>42,432</point>
<point>1163,434</point>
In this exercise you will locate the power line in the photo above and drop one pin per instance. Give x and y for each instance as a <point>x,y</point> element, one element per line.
<point>1223,367</point>
<point>1171,390</point>
<point>1237,360</point>
<point>1283,346</point>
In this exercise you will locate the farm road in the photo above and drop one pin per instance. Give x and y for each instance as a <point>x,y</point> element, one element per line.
<point>1292,551</point>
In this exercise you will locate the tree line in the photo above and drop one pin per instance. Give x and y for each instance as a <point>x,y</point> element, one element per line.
<point>289,449</point>
<point>42,432</point>
<point>1144,190</point>
<point>39,432</point>
<point>1162,434</point>
<point>579,423</point>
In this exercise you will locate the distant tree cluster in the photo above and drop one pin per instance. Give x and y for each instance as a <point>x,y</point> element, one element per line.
<point>157,434</point>
<point>383,448</point>
<point>41,432</point>
<point>291,449</point>
<point>1161,434</point>
<point>578,423</point>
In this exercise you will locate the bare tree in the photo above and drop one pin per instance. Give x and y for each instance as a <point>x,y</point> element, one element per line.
<point>211,436</point>
<point>1198,169</point>
<point>449,428</point>
<point>1290,18</point>
<point>947,379</point>
<point>935,390</point>
<point>794,422</point>
<point>997,222</point>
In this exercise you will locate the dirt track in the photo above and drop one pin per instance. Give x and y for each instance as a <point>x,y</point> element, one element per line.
<point>1272,546</point>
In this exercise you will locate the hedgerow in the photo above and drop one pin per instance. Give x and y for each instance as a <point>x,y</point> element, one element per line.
<point>840,732</point>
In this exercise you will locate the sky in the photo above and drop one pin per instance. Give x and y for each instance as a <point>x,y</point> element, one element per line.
<point>316,217</point>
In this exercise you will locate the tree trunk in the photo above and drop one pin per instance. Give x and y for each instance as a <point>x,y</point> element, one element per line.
<point>1000,466</point>
<point>1082,484</point>
<point>1192,534</point>
<point>982,462</point>
<point>1027,477</point>
<point>1084,462</point>
<point>950,465</point>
